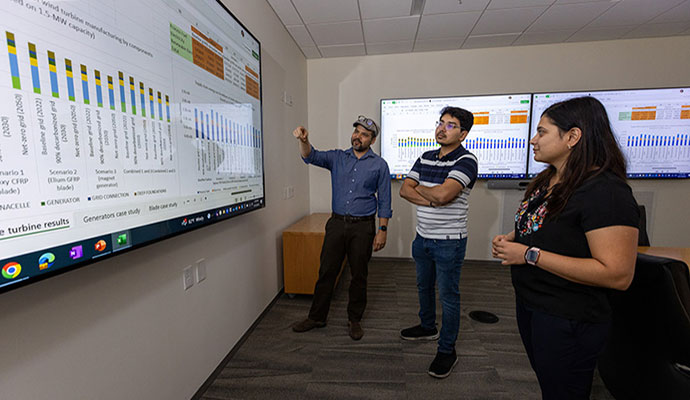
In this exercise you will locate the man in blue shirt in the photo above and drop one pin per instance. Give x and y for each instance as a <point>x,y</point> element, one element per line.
<point>439,184</point>
<point>360,184</point>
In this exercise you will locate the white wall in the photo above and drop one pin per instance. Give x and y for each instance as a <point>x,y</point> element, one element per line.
<point>124,328</point>
<point>342,88</point>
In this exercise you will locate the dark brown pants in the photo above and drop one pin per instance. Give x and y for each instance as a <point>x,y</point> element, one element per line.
<point>354,240</point>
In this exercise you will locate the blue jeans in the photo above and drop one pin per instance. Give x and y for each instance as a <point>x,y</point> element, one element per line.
<point>439,261</point>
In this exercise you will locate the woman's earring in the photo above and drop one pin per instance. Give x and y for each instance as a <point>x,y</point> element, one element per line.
<point>570,147</point>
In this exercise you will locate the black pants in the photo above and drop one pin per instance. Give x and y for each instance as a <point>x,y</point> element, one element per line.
<point>563,352</point>
<point>354,239</point>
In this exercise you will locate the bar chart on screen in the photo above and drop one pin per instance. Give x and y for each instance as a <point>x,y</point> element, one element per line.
<point>81,133</point>
<point>498,137</point>
<point>122,123</point>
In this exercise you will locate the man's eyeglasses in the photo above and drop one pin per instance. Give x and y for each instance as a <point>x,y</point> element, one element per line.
<point>447,125</point>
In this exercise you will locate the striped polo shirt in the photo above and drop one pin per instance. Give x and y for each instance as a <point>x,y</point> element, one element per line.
<point>450,220</point>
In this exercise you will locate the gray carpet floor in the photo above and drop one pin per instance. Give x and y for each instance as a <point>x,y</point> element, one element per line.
<point>276,363</point>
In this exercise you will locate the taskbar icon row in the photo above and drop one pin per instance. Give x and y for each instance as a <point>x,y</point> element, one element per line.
<point>48,260</point>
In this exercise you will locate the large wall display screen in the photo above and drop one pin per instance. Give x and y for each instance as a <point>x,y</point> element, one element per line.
<point>122,122</point>
<point>498,138</point>
<point>652,127</point>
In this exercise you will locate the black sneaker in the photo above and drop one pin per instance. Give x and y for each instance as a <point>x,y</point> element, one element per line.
<point>419,333</point>
<point>443,364</point>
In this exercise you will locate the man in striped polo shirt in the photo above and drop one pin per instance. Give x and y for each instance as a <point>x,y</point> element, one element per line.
<point>439,184</point>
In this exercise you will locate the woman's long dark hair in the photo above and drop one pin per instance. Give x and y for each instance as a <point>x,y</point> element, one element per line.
<point>595,153</point>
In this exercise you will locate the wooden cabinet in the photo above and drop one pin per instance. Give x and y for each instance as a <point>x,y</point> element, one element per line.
<point>302,243</point>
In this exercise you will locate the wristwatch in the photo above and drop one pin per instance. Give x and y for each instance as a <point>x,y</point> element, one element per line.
<point>383,228</point>
<point>532,255</point>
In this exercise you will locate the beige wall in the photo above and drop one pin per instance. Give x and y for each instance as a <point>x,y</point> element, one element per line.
<point>342,88</point>
<point>124,328</point>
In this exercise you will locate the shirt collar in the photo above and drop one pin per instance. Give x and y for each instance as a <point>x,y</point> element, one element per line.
<point>369,153</point>
<point>452,154</point>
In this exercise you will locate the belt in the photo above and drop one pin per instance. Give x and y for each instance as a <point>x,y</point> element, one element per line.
<point>352,218</point>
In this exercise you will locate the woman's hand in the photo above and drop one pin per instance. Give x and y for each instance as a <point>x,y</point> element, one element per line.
<point>509,252</point>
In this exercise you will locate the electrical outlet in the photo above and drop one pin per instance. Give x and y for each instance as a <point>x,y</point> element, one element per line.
<point>287,98</point>
<point>288,192</point>
<point>188,277</point>
<point>200,270</point>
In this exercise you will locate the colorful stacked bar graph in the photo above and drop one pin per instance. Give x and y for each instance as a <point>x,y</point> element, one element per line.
<point>151,103</point>
<point>14,66</point>
<point>196,122</point>
<point>202,124</point>
<point>160,106</point>
<point>646,140</point>
<point>209,125</point>
<point>142,96</point>
<point>495,144</point>
<point>70,79</point>
<point>52,67</point>
<point>121,79</point>
<point>99,88</point>
<point>167,107</point>
<point>85,84</point>
<point>132,95</point>
<point>111,92</point>
<point>33,60</point>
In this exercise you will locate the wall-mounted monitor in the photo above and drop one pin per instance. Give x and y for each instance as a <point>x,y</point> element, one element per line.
<point>122,123</point>
<point>498,138</point>
<point>652,127</point>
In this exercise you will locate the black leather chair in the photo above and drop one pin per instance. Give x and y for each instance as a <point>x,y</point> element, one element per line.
<point>648,353</point>
<point>643,238</point>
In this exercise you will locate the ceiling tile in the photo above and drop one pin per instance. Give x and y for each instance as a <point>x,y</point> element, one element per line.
<point>337,33</point>
<point>437,44</point>
<point>543,37</point>
<point>372,9</point>
<point>514,20</point>
<point>390,47</point>
<point>390,29</point>
<point>453,6</point>
<point>322,11</point>
<point>474,42</point>
<point>631,12</point>
<point>310,52</point>
<point>605,33</point>
<point>680,13</point>
<point>301,35</point>
<point>443,26</point>
<point>346,50</point>
<point>568,16</point>
<point>518,3</point>
<point>286,12</point>
<point>654,30</point>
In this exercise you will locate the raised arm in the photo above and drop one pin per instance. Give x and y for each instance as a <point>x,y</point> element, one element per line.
<point>302,135</point>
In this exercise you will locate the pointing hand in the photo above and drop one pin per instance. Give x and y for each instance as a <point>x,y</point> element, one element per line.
<point>301,133</point>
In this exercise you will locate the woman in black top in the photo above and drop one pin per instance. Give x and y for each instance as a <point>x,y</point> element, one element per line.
<point>575,238</point>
